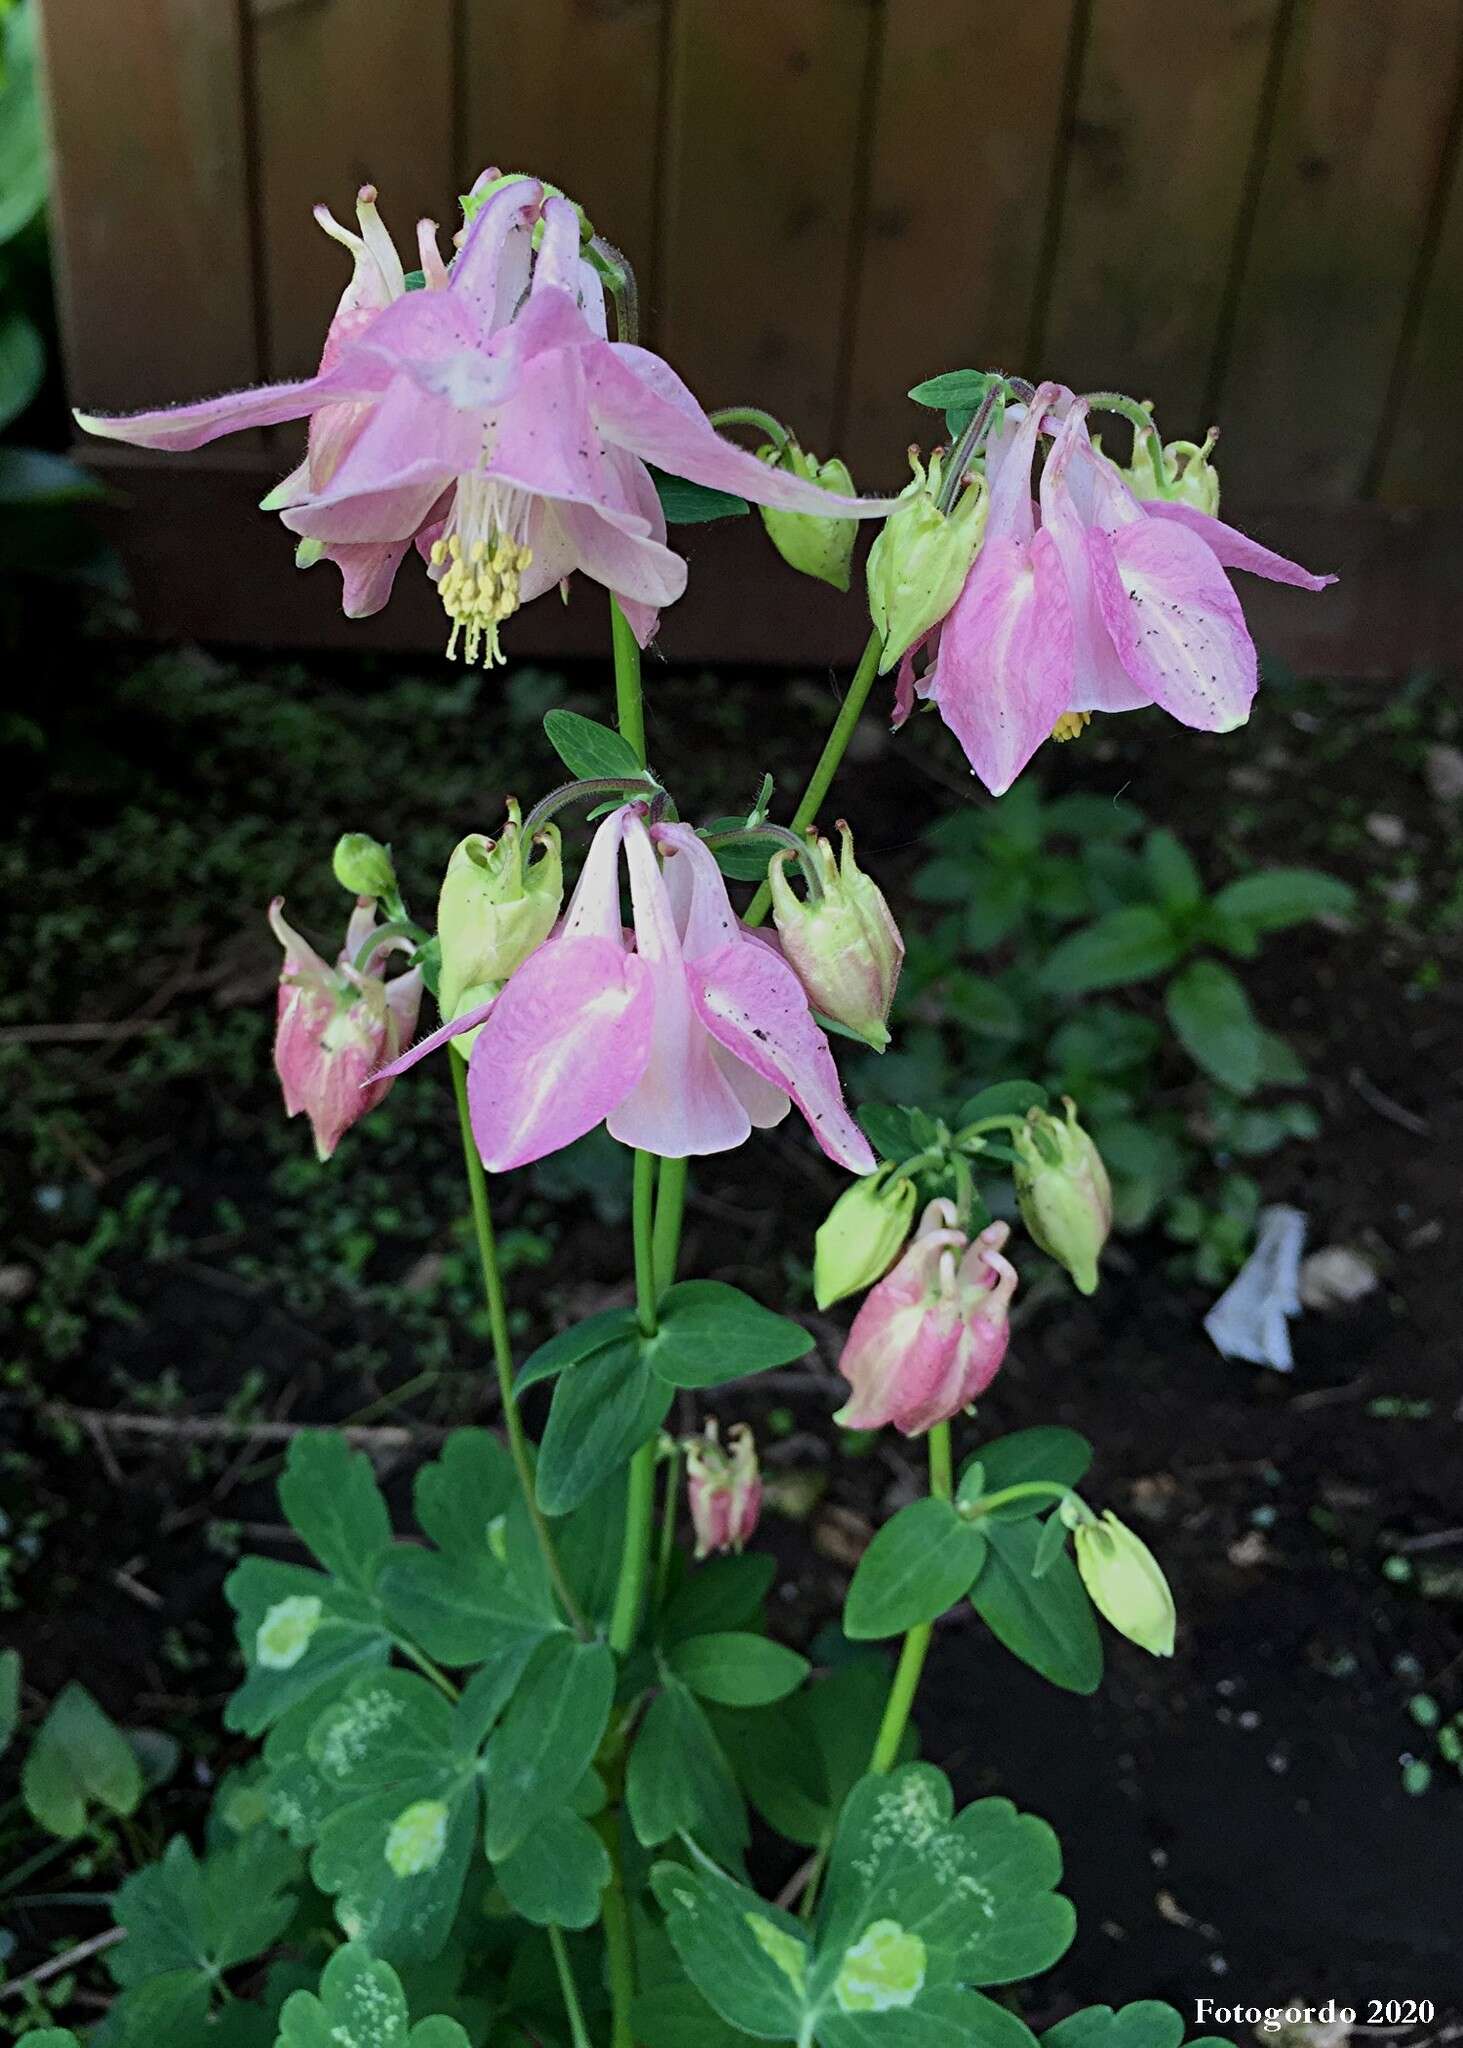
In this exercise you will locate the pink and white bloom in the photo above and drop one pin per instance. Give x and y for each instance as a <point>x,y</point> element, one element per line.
<point>724,1487</point>
<point>681,1037</point>
<point>931,1336</point>
<point>1104,603</point>
<point>335,1026</point>
<point>490,418</point>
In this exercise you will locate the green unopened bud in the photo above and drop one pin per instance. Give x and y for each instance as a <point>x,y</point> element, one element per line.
<point>1126,1582</point>
<point>1181,472</point>
<point>862,1235</point>
<point>922,556</point>
<point>495,907</point>
<point>363,865</point>
<point>1063,1191</point>
<point>843,943</point>
<point>814,546</point>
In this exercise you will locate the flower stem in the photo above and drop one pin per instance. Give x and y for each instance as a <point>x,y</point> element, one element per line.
<point>640,1506</point>
<point>620,1952</point>
<point>752,416</point>
<point>917,1642</point>
<point>834,749</point>
<point>578,2032</point>
<point>482,1220</point>
<point>668,1526</point>
<point>629,703</point>
<point>670,1207</point>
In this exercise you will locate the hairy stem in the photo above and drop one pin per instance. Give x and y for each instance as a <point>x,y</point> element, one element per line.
<point>482,1222</point>
<point>753,416</point>
<point>917,1643</point>
<point>834,749</point>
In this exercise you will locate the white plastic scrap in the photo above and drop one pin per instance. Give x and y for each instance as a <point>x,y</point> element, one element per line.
<point>1250,1320</point>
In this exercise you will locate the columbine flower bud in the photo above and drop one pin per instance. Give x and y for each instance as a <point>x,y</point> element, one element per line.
<point>843,944</point>
<point>1187,476</point>
<point>363,865</point>
<point>1064,1192</point>
<point>931,1336</point>
<point>336,1026</point>
<point>922,556</point>
<point>495,908</point>
<point>814,546</point>
<point>1126,1583</point>
<point>725,1488</point>
<point>861,1236</point>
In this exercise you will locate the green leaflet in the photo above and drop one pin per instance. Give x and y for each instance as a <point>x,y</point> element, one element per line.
<point>548,1737</point>
<point>79,1757</point>
<point>738,1670</point>
<point>921,1562</point>
<point>360,2005</point>
<point>556,1874</point>
<point>1045,1619</point>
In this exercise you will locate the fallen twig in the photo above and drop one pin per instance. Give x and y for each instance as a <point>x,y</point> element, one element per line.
<point>79,1033</point>
<point>221,1429</point>
<point>1372,1096</point>
<point>54,1968</point>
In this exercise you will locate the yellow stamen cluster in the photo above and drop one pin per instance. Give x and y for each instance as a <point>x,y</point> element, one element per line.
<point>1070,724</point>
<point>479,590</point>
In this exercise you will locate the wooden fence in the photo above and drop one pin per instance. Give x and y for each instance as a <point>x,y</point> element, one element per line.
<point>1248,210</point>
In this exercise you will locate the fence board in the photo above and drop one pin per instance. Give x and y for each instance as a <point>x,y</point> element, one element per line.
<point>966,126</point>
<point>1354,159</point>
<point>347,93</point>
<point>1162,138</point>
<point>762,144</point>
<point>1423,459</point>
<point>576,100</point>
<point>151,199</point>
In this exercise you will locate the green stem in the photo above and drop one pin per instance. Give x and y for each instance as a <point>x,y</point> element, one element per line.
<point>668,1526</point>
<point>620,1952</point>
<point>1027,1489</point>
<point>917,1643</point>
<point>640,1505</point>
<point>482,1221</point>
<point>834,749</point>
<point>753,416</point>
<point>629,704</point>
<point>670,1207</point>
<point>578,2031</point>
<point>428,1669</point>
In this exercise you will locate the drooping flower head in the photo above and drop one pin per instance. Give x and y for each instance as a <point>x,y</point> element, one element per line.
<point>1103,602</point>
<point>861,1236</point>
<point>1064,1192</point>
<point>844,942</point>
<point>922,555</point>
<point>1125,1580</point>
<point>489,419</point>
<point>724,1486</point>
<point>680,1036</point>
<point>931,1336</point>
<point>818,547</point>
<point>336,1026</point>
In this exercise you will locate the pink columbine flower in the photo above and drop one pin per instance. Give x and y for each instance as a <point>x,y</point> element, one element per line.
<point>335,1026</point>
<point>680,1043</point>
<point>1104,603</point>
<point>931,1336</point>
<point>492,420</point>
<point>724,1487</point>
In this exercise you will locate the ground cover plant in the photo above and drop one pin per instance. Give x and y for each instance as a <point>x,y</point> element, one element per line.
<point>536,1712</point>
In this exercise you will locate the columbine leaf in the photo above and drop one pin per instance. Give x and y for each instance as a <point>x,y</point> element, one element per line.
<point>922,1561</point>
<point>329,1495</point>
<point>953,390</point>
<point>1147,2023</point>
<point>1277,897</point>
<point>360,2005</point>
<point>556,1875</point>
<point>299,1632</point>
<point>581,1340</point>
<point>918,1894</point>
<point>548,1737</point>
<point>679,1780</point>
<point>79,1757</point>
<point>458,1608</point>
<point>677,2016</point>
<point>749,1960</point>
<point>738,1670</point>
<point>944,2017</point>
<point>688,504</point>
<point>589,749</point>
<point>603,1409</point>
<point>710,1333</point>
<point>723,1593</point>
<point>200,1919</point>
<point>458,1495</point>
<point>799,1760</point>
<point>1046,1621</point>
<point>395,1849</point>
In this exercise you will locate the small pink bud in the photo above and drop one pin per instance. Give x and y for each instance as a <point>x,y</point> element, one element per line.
<point>335,1026</point>
<point>843,942</point>
<point>725,1488</point>
<point>931,1336</point>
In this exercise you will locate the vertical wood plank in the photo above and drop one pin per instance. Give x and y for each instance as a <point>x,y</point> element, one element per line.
<point>1360,126</point>
<point>1422,460</point>
<point>151,200</point>
<point>966,133</point>
<point>761,172</point>
<point>346,93</point>
<point>575,100</point>
<point>1161,145</point>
